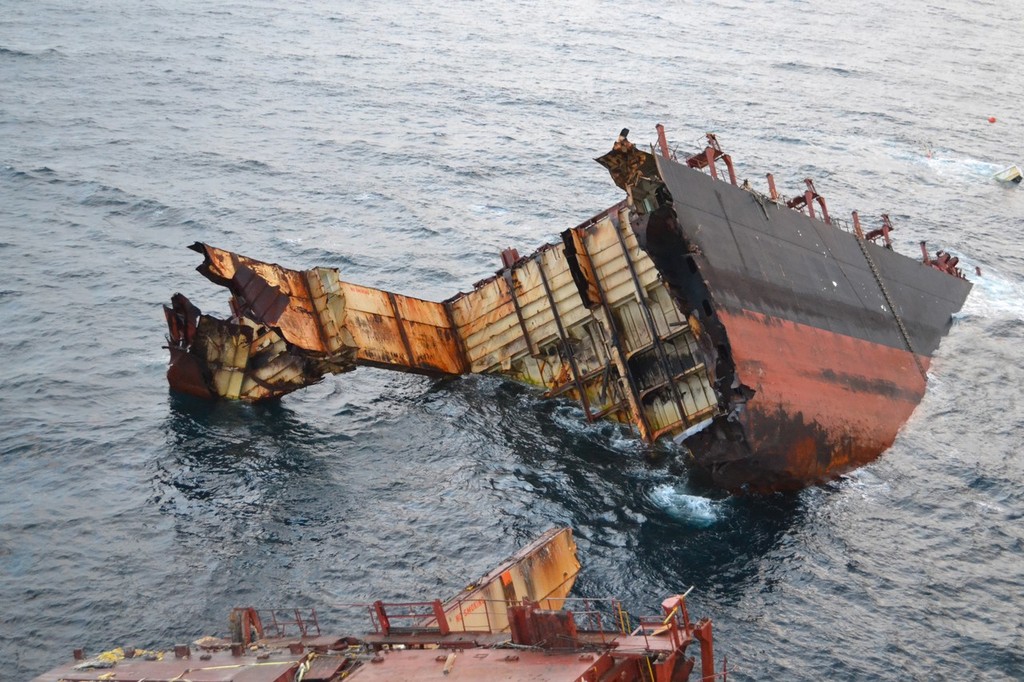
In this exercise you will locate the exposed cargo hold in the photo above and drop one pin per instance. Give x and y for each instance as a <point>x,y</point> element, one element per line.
<point>588,318</point>
<point>514,624</point>
<point>784,347</point>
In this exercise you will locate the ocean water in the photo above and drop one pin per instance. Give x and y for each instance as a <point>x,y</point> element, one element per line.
<point>408,143</point>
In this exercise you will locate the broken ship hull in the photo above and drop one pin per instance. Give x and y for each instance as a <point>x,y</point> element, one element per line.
<point>821,338</point>
<point>806,422</point>
<point>782,347</point>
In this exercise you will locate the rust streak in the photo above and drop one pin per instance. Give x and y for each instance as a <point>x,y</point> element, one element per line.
<point>507,276</point>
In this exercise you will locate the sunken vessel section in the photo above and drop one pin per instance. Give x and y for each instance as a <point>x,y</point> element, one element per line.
<point>817,338</point>
<point>783,346</point>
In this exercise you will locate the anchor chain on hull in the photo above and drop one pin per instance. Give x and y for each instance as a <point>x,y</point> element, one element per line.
<point>889,302</point>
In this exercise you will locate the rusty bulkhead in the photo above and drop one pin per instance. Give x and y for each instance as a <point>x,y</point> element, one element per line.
<point>679,261</point>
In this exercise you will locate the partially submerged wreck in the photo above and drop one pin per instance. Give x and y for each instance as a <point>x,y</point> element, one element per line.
<point>516,624</point>
<point>781,345</point>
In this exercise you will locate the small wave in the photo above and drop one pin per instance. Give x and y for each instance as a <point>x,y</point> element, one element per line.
<point>248,165</point>
<point>694,509</point>
<point>801,67</point>
<point>21,54</point>
<point>103,195</point>
<point>864,482</point>
<point>995,296</point>
<point>15,174</point>
<point>487,209</point>
<point>368,197</point>
<point>792,66</point>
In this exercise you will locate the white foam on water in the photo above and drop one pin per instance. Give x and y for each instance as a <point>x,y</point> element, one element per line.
<point>995,297</point>
<point>694,509</point>
<point>962,167</point>
<point>488,209</point>
<point>866,483</point>
<point>948,164</point>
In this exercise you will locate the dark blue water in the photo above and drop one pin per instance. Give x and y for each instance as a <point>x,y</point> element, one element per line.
<point>407,143</point>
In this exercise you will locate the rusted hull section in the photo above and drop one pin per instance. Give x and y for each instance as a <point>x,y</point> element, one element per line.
<point>782,346</point>
<point>817,339</point>
<point>291,328</point>
<point>528,632</point>
<point>588,318</point>
<point>822,404</point>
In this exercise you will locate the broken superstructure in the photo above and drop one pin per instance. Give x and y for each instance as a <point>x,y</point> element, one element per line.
<point>515,624</point>
<point>782,345</point>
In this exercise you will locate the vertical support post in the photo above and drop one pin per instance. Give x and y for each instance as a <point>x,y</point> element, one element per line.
<point>462,615</point>
<point>563,337</point>
<point>652,327</point>
<point>810,196</point>
<point>707,650</point>
<point>709,152</point>
<point>464,365</point>
<point>662,142</point>
<point>771,188</point>
<point>510,283</point>
<point>401,330</point>
<point>886,229</point>
<point>316,621</point>
<point>729,166</point>
<point>440,617</point>
<point>856,226</point>
<point>382,617</point>
<point>824,209</point>
<point>620,356</point>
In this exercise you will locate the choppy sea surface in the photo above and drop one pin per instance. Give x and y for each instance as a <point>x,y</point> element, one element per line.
<point>408,143</point>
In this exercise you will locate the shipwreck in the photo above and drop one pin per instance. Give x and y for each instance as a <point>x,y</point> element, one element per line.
<point>516,623</point>
<point>781,345</point>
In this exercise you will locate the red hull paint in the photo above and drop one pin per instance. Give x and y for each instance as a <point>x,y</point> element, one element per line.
<point>823,403</point>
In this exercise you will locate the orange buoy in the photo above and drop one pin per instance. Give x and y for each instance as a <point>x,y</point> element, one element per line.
<point>991,119</point>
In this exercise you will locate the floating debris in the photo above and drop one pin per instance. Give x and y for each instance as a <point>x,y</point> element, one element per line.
<point>1011,175</point>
